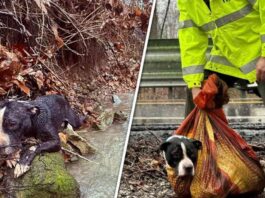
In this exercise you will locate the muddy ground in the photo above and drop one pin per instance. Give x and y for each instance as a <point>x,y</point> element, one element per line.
<point>144,174</point>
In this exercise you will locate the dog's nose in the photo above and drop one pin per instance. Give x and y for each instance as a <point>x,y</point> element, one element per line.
<point>188,169</point>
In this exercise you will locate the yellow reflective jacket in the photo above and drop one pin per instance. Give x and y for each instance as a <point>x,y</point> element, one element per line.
<point>237,28</point>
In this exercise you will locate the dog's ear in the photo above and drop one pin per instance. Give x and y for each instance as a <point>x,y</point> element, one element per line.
<point>196,143</point>
<point>32,109</point>
<point>163,146</point>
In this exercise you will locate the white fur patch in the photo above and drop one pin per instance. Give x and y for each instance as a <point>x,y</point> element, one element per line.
<point>185,162</point>
<point>23,101</point>
<point>4,138</point>
<point>20,169</point>
<point>164,155</point>
<point>176,136</point>
<point>33,148</point>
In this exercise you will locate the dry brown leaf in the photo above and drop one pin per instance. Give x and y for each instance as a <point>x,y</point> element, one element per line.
<point>119,46</point>
<point>137,11</point>
<point>63,137</point>
<point>22,86</point>
<point>9,60</point>
<point>51,92</point>
<point>155,163</point>
<point>39,79</point>
<point>26,71</point>
<point>59,41</point>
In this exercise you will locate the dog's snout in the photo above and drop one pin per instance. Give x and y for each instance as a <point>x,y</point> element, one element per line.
<point>185,169</point>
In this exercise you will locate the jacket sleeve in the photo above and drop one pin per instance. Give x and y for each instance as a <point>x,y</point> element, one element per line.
<point>259,5</point>
<point>193,46</point>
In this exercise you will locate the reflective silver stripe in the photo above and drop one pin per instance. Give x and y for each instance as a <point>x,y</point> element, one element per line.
<point>186,24</point>
<point>227,19</point>
<point>263,38</point>
<point>208,26</point>
<point>234,16</point>
<point>195,69</point>
<point>249,67</point>
<point>252,2</point>
<point>221,60</point>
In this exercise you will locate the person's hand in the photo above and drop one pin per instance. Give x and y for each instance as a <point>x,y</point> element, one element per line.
<point>195,91</point>
<point>260,70</point>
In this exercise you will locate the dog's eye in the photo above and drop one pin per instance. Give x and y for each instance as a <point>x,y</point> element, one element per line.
<point>11,123</point>
<point>176,153</point>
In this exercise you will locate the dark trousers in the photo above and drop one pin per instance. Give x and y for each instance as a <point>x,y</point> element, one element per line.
<point>230,82</point>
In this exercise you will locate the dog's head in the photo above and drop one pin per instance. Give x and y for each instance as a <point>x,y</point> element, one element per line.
<point>15,121</point>
<point>181,154</point>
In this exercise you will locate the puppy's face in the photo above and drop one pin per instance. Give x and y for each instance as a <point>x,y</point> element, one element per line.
<point>181,154</point>
<point>15,119</point>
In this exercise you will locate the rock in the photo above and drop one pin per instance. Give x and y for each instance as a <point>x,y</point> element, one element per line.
<point>47,178</point>
<point>105,119</point>
<point>116,100</point>
<point>83,147</point>
<point>120,116</point>
<point>76,141</point>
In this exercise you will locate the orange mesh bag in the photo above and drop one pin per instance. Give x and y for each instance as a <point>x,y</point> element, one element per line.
<point>226,165</point>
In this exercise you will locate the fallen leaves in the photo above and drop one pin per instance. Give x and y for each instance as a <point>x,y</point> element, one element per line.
<point>85,50</point>
<point>59,41</point>
<point>10,67</point>
<point>23,71</point>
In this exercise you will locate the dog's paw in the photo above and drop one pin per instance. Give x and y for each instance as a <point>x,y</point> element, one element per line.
<point>20,169</point>
<point>12,159</point>
<point>11,163</point>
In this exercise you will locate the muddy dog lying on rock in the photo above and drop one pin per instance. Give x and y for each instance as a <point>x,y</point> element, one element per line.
<point>41,119</point>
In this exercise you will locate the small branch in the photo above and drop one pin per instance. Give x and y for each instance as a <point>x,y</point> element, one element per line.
<point>78,155</point>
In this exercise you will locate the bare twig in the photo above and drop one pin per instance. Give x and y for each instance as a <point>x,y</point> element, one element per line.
<point>78,155</point>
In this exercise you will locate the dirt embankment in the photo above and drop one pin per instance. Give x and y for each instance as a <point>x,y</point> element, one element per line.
<point>86,50</point>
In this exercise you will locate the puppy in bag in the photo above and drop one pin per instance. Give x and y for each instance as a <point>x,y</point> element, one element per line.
<point>225,165</point>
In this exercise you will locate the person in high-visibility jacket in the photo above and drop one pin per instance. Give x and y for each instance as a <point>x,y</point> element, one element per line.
<point>237,29</point>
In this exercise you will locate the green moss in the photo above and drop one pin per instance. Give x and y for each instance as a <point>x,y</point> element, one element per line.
<point>47,178</point>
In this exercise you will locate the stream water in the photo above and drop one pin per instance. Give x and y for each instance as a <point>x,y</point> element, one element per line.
<point>98,179</point>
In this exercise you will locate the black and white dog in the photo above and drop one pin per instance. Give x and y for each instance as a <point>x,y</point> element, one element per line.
<point>41,119</point>
<point>181,154</point>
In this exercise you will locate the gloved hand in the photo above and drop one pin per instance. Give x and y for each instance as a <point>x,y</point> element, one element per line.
<point>213,94</point>
<point>195,91</point>
<point>260,70</point>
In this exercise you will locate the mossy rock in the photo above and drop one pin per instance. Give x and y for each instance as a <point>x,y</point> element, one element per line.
<point>47,178</point>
